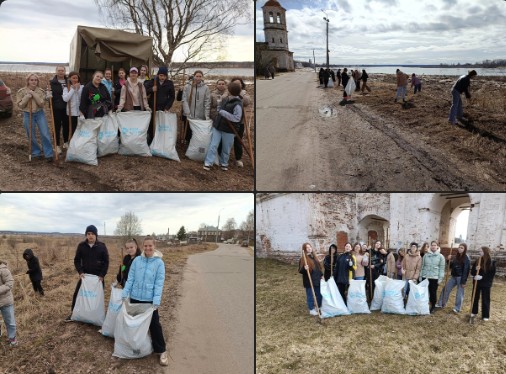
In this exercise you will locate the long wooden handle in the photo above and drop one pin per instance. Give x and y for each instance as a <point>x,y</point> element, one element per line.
<point>474,286</point>
<point>30,136</point>
<point>54,128</point>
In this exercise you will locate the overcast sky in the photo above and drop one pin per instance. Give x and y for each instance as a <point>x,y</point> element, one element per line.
<point>72,212</point>
<point>42,31</point>
<point>394,31</point>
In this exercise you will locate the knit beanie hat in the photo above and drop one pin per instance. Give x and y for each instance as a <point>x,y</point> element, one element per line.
<point>92,229</point>
<point>162,70</point>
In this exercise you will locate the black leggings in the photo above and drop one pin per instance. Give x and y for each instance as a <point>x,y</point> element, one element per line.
<point>61,121</point>
<point>155,329</point>
<point>485,301</point>
<point>37,287</point>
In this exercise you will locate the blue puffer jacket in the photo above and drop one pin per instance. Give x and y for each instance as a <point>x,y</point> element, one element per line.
<point>145,279</point>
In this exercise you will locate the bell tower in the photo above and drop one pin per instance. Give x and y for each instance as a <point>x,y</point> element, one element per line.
<point>276,34</point>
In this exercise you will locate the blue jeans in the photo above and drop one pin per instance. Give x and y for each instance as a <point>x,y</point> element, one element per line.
<point>38,120</point>
<point>10,321</point>
<point>310,299</point>
<point>401,91</point>
<point>459,297</point>
<point>456,109</point>
<point>227,141</point>
<point>359,278</point>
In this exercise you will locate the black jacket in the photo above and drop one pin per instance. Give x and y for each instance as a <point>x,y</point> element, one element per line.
<point>34,270</point>
<point>379,262</point>
<point>57,92</point>
<point>460,270</point>
<point>316,274</point>
<point>124,269</point>
<point>345,77</point>
<point>488,277</point>
<point>95,102</point>
<point>462,85</point>
<point>326,265</point>
<point>165,93</point>
<point>92,260</point>
<point>343,268</point>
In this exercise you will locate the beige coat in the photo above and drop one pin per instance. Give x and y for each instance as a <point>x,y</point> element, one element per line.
<point>6,284</point>
<point>412,264</point>
<point>391,268</point>
<point>38,100</point>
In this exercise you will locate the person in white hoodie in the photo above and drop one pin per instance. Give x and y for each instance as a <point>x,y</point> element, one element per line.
<point>433,269</point>
<point>72,96</point>
<point>145,286</point>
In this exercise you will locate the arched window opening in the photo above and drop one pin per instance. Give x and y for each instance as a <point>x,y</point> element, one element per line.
<point>278,18</point>
<point>271,17</point>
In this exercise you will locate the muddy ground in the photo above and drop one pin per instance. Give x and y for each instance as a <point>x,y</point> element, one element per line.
<point>114,172</point>
<point>469,156</point>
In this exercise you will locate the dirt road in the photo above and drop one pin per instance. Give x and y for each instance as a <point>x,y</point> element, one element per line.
<point>352,148</point>
<point>215,328</point>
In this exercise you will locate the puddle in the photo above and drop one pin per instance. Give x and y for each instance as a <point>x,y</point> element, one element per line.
<point>327,112</point>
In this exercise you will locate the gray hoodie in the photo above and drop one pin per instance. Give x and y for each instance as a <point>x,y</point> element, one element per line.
<point>200,105</point>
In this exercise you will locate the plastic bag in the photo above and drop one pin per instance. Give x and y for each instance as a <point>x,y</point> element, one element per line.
<point>164,143</point>
<point>350,87</point>
<point>393,301</point>
<point>377,300</point>
<point>418,298</point>
<point>108,141</point>
<point>331,83</point>
<point>332,301</point>
<point>357,301</point>
<point>131,337</point>
<point>133,127</point>
<point>201,139</point>
<point>83,145</point>
<point>89,306</point>
<point>112,312</point>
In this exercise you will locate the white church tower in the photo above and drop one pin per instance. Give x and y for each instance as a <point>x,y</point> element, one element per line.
<point>275,48</point>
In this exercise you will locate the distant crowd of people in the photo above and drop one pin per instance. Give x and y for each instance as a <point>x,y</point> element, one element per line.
<point>72,100</point>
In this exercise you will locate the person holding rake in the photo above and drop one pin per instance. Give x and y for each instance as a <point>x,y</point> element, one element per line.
<point>483,272</point>
<point>309,267</point>
<point>30,100</point>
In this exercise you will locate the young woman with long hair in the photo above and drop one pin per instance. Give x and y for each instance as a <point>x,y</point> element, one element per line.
<point>330,260</point>
<point>345,270</point>
<point>484,279</point>
<point>309,261</point>
<point>358,252</point>
<point>460,265</point>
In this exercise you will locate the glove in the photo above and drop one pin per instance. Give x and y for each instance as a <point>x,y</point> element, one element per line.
<point>478,277</point>
<point>149,109</point>
<point>81,117</point>
<point>49,94</point>
<point>350,262</point>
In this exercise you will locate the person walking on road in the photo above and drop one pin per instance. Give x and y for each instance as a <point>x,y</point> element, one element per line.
<point>461,86</point>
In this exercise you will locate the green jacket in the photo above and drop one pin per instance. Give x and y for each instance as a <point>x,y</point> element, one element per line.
<point>433,266</point>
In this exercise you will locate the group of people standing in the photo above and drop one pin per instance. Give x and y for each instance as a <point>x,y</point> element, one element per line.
<point>141,276</point>
<point>72,100</point>
<point>359,262</point>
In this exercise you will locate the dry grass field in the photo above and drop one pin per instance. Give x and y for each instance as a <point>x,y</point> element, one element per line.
<point>49,345</point>
<point>289,340</point>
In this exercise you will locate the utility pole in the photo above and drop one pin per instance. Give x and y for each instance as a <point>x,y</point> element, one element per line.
<point>104,229</point>
<point>327,21</point>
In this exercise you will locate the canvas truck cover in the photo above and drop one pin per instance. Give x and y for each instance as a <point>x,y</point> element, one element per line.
<point>94,48</point>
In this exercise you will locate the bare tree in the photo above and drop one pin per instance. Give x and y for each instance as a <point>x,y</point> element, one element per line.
<point>195,26</point>
<point>248,225</point>
<point>129,225</point>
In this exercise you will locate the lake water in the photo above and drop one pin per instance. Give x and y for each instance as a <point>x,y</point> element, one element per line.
<point>27,68</point>
<point>428,71</point>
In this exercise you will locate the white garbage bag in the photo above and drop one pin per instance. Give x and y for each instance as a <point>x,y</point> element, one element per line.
<point>332,301</point>
<point>131,333</point>
<point>164,143</point>
<point>357,301</point>
<point>83,145</point>
<point>393,301</point>
<point>350,87</point>
<point>133,127</point>
<point>418,298</point>
<point>112,312</point>
<point>377,300</point>
<point>89,306</point>
<point>201,139</point>
<point>331,83</point>
<point>108,141</point>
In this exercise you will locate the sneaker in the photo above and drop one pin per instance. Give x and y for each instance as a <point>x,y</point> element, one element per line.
<point>438,306</point>
<point>68,319</point>
<point>58,148</point>
<point>207,167</point>
<point>313,312</point>
<point>164,359</point>
<point>485,319</point>
<point>65,145</point>
<point>224,168</point>
<point>239,164</point>
<point>456,311</point>
<point>473,315</point>
<point>13,342</point>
